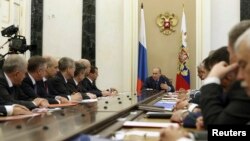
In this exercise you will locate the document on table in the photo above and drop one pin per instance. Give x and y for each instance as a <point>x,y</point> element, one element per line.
<point>168,105</point>
<point>149,124</point>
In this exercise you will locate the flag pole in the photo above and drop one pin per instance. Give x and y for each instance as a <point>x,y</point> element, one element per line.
<point>183,6</point>
<point>142,55</point>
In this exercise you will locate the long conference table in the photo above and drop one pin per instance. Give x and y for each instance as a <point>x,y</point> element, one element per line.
<point>104,118</point>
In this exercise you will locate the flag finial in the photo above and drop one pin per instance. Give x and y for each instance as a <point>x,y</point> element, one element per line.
<point>141,5</point>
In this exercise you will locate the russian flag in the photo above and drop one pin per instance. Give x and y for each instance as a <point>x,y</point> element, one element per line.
<point>183,73</point>
<point>142,55</point>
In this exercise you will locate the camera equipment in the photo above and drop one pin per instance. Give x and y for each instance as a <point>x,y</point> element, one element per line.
<point>17,43</point>
<point>9,31</point>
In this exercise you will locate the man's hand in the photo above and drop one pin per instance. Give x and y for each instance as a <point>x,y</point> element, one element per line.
<point>179,115</point>
<point>220,69</point>
<point>20,110</point>
<point>181,104</point>
<point>164,86</point>
<point>62,99</point>
<point>76,97</point>
<point>172,134</point>
<point>106,93</point>
<point>113,90</point>
<point>91,96</point>
<point>41,102</point>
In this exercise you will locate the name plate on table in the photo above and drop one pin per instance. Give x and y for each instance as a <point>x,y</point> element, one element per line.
<point>89,100</point>
<point>149,124</point>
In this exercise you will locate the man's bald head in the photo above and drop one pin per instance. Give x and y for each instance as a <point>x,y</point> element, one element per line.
<point>52,66</point>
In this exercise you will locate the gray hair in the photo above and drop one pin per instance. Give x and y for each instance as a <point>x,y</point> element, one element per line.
<point>244,38</point>
<point>14,62</point>
<point>49,60</point>
<point>85,62</point>
<point>238,30</point>
<point>65,63</point>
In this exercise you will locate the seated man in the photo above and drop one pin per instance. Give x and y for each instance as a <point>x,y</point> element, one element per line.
<point>14,69</point>
<point>158,82</point>
<point>32,84</point>
<point>190,112</point>
<point>89,84</point>
<point>75,85</point>
<point>58,85</point>
<point>50,72</point>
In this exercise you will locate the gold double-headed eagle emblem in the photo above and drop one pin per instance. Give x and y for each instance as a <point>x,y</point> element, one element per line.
<point>166,22</point>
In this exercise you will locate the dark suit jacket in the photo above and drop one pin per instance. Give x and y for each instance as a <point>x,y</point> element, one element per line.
<point>12,95</point>
<point>190,120</point>
<point>91,87</point>
<point>151,83</point>
<point>195,97</point>
<point>58,86</point>
<point>3,111</point>
<point>29,89</point>
<point>233,111</point>
<point>76,88</point>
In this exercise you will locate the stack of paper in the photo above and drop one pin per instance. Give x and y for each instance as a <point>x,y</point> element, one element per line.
<point>149,124</point>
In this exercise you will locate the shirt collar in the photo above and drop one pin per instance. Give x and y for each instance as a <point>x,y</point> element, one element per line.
<point>75,81</point>
<point>44,79</point>
<point>8,80</point>
<point>90,80</point>
<point>32,79</point>
<point>65,79</point>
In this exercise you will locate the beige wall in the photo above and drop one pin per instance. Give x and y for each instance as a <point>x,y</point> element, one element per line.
<point>162,49</point>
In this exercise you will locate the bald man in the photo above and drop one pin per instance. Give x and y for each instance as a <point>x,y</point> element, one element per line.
<point>158,81</point>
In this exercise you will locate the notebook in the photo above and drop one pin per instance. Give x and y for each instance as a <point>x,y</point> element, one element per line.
<point>167,105</point>
<point>151,108</point>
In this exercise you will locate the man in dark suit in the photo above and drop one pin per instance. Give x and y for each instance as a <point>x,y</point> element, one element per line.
<point>90,86</point>
<point>75,85</point>
<point>14,69</point>
<point>58,84</point>
<point>236,98</point>
<point>32,84</point>
<point>50,72</point>
<point>158,82</point>
<point>87,64</point>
